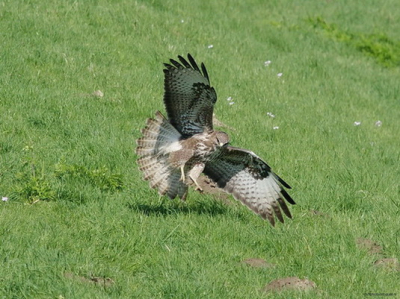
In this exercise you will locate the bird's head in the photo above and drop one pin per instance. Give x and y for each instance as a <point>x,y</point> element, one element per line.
<point>221,138</point>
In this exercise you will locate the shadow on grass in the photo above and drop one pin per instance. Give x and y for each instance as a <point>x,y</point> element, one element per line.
<point>176,207</point>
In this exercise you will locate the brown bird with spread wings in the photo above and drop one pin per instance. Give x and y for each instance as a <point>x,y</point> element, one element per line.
<point>179,148</point>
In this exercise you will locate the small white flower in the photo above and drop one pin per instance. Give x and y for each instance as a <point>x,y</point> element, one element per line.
<point>267,63</point>
<point>210,46</point>
<point>231,103</point>
<point>229,99</point>
<point>280,75</point>
<point>275,128</point>
<point>182,21</point>
<point>378,123</point>
<point>4,198</point>
<point>270,114</point>
<point>357,123</point>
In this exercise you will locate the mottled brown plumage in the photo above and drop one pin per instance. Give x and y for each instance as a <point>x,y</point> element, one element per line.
<point>179,148</point>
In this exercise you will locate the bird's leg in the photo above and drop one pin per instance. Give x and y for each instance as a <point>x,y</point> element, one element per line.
<point>198,188</point>
<point>183,173</point>
<point>194,174</point>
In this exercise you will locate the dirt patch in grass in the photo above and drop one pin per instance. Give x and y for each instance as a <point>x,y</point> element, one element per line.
<point>373,248</point>
<point>369,245</point>
<point>99,281</point>
<point>290,283</point>
<point>319,213</point>
<point>388,263</point>
<point>258,263</point>
<point>219,123</point>
<point>210,187</point>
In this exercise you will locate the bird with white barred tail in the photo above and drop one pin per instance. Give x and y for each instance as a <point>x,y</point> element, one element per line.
<point>176,150</point>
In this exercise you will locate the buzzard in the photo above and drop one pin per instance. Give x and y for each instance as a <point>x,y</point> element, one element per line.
<point>174,151</point>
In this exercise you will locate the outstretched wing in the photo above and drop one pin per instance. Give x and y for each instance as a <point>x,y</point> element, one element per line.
<point>188,97</point>
<point>159,139</point>
<point>250,180</point>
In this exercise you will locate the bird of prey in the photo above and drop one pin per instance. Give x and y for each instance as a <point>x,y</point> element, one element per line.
<point>174,151</point>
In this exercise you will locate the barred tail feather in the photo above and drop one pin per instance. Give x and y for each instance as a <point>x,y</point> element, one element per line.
<point>159,139</point>
<point>158,136</point>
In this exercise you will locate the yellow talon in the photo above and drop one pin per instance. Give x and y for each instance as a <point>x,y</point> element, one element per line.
<point>198,188</point>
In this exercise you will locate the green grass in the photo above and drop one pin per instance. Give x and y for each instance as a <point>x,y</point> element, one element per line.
<point>78,211</point>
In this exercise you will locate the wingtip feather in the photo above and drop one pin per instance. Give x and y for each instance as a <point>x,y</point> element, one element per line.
<point>193,63</point>
<point>287,197</point>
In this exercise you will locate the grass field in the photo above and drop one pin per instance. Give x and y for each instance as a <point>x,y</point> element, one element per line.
<point>78,80</point>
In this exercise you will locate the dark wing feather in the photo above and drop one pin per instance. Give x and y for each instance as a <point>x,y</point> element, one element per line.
<point>188,97</point>
<point>250,180</point>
